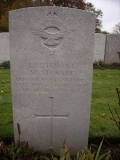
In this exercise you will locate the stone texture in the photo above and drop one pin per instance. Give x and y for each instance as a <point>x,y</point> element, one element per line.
<point>4,47</point>
<point>99,47</point>
<point>112,47</point>
<point>51,69</point>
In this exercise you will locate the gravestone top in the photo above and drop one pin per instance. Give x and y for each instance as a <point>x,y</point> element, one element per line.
<point>51,75</point>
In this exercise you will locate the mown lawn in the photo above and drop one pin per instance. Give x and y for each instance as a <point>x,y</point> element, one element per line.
<point>104,84</point>
<point>6,120</point>
<point>104,93</point>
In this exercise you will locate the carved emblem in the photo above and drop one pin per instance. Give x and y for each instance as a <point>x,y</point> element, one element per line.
<point>52,14</point>
<point>51,37</point>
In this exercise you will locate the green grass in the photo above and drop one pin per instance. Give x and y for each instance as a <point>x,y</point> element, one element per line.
<point>104,93</point>
<point>104,84</point>
<point>6,120</point>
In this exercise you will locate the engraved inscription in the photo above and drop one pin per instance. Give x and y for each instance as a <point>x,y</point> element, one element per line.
<point>54,65</point>
<point>52,77</point>
<point>51,116</point>
<point>58,85</point>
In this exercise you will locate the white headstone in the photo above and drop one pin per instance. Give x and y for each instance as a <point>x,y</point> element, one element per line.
<point>112,49</point>
<point>4,47</point>
<point>51,68</point>
<point>99,47</point>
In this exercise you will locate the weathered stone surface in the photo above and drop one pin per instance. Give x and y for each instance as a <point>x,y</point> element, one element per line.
<point>99,47</point>
<point>4,47</point>
<point>112,47</point>
<point>51,69</point>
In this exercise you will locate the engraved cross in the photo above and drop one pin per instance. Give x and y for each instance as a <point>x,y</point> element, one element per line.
<point>51,116</point>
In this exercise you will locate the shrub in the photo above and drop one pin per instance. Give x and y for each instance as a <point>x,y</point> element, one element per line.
<point>98,64</point>
<point>5,64</point>
<point>22,151</point>
<point>84,155</point>
<point>114,113</point>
